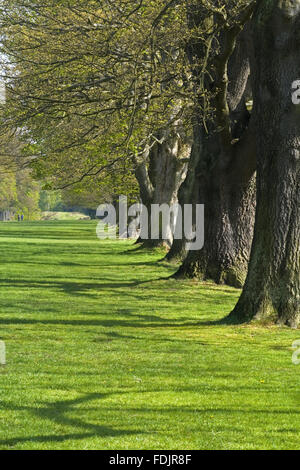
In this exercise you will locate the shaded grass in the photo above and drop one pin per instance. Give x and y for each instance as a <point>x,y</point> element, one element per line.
<point>106,352</point>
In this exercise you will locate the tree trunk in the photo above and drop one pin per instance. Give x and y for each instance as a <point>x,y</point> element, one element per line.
<point>178,251</point>
<point>272,289</point>
<point>225,184</point>
<point>162,178</point>
<point>229,199</point>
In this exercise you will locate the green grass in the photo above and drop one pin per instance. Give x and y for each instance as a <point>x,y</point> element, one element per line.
<point>102,353</point>
<point>63,216</point>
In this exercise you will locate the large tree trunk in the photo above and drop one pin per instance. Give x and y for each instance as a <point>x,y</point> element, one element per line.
<point>225,184</point>
<point>160,176</point>
<point>229,199</point>
<point>272,289</point>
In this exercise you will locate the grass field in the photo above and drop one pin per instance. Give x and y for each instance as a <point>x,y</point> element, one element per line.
<point>102,353</point>
<point>63,216</point>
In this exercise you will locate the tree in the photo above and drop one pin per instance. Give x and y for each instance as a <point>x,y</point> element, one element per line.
<point>272,289</point>
<point>80,73</point>
<point>160,173</point>
<point>18,190</point>
<point>222,170</point>
<point>28,195</point>
<point>8,191</point>
<point>50,200</point>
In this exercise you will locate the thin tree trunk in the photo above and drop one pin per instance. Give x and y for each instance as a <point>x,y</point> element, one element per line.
<point>178,251</point>
<point>272,289</point>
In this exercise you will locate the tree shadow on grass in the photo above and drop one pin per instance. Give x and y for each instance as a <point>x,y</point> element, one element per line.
<point>75,288</point>
<point>84,265</point>
<point>112,336</point>
<point>159,323</point>
<point>56,412</point>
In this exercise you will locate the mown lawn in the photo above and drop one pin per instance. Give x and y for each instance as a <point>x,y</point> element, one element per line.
<point>105,352</point>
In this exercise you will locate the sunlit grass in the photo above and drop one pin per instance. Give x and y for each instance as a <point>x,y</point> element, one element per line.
<point>105,352</point>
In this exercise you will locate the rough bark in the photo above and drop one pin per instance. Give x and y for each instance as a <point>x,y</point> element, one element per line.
<point>272,289</point>
<point>225,182</point>
<point>178,251</point>
<point>160,176</point>
<point>229,202</point>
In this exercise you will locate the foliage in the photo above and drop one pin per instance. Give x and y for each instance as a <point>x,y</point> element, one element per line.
<point>91,84</point>
<point>19,193</point>
<point>8,191</point>
<point>28,195</point>
<point>50,200</point>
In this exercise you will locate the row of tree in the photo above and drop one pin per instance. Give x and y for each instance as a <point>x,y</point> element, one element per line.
<point>194,99</point>
<point>21,193</point>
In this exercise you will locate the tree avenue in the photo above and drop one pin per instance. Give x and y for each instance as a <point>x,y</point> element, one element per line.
<point>198,100</point>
